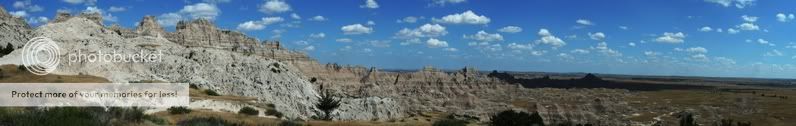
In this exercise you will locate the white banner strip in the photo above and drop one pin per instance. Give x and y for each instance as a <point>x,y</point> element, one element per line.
<point>94,94</point>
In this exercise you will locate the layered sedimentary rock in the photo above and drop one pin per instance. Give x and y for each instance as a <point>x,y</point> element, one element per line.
<point>149,27</point>
<point>13,30</point>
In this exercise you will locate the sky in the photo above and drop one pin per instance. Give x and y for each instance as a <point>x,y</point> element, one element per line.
<point>721,38</point>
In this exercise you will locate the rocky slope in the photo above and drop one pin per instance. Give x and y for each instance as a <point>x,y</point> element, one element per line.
<point>13,30</point>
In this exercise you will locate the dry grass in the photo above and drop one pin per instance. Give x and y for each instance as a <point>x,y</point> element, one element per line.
<point>11,74</point>
<point>774,111</point>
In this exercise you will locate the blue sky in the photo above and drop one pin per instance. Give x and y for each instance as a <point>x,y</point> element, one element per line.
<point>732,38</point>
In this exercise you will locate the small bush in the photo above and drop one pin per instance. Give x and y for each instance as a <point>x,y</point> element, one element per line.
<point>179,110</point>
<point>248,111</point>
<point>193,86</point>
<point>514,118</point>
<point>290,123</point>
<point>207,122</point>
<point>211,92</point>
<point>273,112</point>
<point>450,122</point>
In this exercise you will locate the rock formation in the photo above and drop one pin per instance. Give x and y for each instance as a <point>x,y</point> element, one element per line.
<point>149,27</point>
<point>13,30</point>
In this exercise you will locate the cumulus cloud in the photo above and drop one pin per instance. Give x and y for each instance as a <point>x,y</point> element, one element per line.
<point>602,48</point>
<point>410,19</point>
<point>274,6</point>
<point>318,35</point>
<point>295,16</point>
<point>510,29</point>
<point>748,26</point>
<point>732,31</point>
<point>309,48</point>
<point>516,46</point>
<point>259,25</point>
<point>748,18</point>
<point>443,2</point>
<point>623,27</point>
<point>201,10</point>
<point>631,44</point>
<point>28,6</point>
<point>346,40</point>
<point>651,53</point>
<point>105,16</point>
<point>599,36</point>
<point>37,20</point>
<point>579,51</point>
<point>85,2</point>
<point>450,49</point>
<point>765,42</point>
<point>737,3</point>
<point>19,13</point>
<point>467,17</point>
<point>483,36</point>
<point>584,22</point>
<point>706,29</point>
<point>318,18</point>
<point>116,9</point>
<point>671,37</point>
<point>693,50</point>
<point>784,17</point>
<point>549,39</point>
<point>356,29</point>
<point>435,43</point>
<point>774,52</point>
<point>426,30</point>
<point>370,4</point>
<point>169,19</point>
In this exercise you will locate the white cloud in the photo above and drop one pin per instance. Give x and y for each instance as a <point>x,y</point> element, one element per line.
<point>105,16</point>
<point>483,36</point>
<point>370,4</point>
<point>732,31</point>
<point>764,42</point>
<point>693,50</point>
<point>117,9</point>
<point>451,49</point>
<point>584,22</point>
<point>274,6</point>
<point>295,16</point>
<point>784,17</point>
<point>410,19</point>
<point>318,18</point>
<point>169,19</point>
<point>250,25</point>
<point>371,23</point>
<point>510,29</point>
<point>467,17</point>
<point>27,5</point>
<point>309,48</point>
<point>774,52</point>
<point>602,47</point>
<point>346,40</point>
<point>724,60</point>
<point>216,1</point>
<point>623,27</point>
<point>705,29</point>
<point>748,26</point>
<point>19,13</point>
<point>37,20</point>
<point>579,51</point>
<point>259,25</point>
<point>201,10</point>
<point>318,35</point>
<point>443,2</point>
<point>435,43</point>
<point>631,44</point>
<point>548,38</point>
<point>516,46</point>
<point>737,3</point>
<point>426,30</point>
<point>651,53</point>
<point>379,43</point>
<point>86,2</point>
<point>599,36</point>
<point>356,29</point>
<point>671,37</point>
<point>749,18</point>
<point>700,57</point>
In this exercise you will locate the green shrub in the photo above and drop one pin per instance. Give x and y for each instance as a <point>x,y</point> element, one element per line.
<point>72,116</point>
<point>327,103</point>
<point>273,112</point>
<point>514,118</point>
<point>450,122</point>
<point>211,92</point>
<point>207,122</point>
<point>179,110</point>
<point>248,111</point>
<point>290,123</point>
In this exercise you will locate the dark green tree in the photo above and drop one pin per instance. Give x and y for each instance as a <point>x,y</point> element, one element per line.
<point>687,119</point>
<point>515,118</point>
<point>327,103</point>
